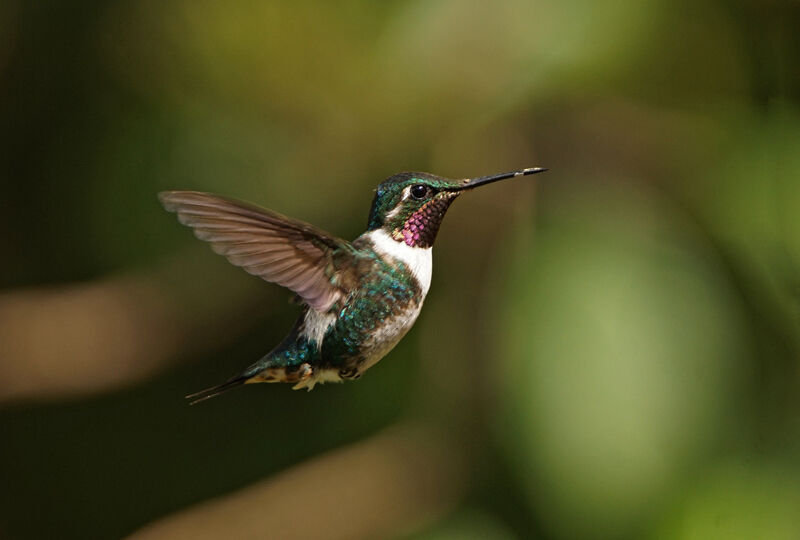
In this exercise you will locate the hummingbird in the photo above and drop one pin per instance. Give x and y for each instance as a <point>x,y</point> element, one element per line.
<point>358,298</point>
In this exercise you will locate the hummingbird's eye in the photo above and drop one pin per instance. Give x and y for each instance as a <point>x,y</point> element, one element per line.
<point>419,191</point>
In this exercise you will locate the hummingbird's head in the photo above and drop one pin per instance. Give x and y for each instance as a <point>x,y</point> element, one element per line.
<point>410,206</point>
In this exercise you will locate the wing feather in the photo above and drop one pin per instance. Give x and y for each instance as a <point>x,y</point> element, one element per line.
<point>264,243</point>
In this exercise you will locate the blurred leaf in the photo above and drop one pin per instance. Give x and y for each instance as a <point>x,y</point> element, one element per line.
<point>751,198</point>
<point>466,524</point>
<point>739,501</point>
<point>622,354</point>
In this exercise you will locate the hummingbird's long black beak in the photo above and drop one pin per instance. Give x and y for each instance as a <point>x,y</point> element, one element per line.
<point>483,180</point>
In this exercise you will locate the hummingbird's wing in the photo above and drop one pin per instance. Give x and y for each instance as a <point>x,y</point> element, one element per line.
<point>277,248</point>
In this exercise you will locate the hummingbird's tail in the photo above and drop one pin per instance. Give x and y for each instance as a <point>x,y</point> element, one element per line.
<point>214,391</point>
<point>267,369</point>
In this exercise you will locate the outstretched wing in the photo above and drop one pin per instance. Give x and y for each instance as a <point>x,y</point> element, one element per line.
<point>276,248</point>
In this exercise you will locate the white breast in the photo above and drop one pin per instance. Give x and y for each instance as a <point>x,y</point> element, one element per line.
<point>418,260</point>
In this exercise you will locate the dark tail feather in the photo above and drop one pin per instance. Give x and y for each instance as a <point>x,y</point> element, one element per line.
<point>208,393</point>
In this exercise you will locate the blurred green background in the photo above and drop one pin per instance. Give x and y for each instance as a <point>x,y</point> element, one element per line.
<point>609,351</point>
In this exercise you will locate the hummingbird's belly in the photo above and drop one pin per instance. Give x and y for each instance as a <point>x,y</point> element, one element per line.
<point>373,346</point>
<point>387,335</point>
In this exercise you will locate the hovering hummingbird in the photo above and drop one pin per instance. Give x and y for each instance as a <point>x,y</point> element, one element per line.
<point>359,298</point>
